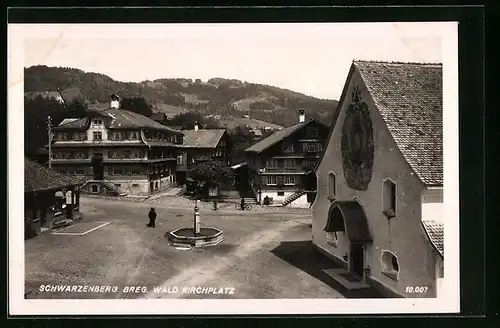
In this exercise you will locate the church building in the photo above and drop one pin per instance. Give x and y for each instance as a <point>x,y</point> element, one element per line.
<point>379,209</point>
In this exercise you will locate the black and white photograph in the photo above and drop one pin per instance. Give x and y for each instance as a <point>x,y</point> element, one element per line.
<point>233,168</point>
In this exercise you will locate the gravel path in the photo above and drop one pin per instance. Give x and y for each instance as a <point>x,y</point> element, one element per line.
<point>205,271</point>
<point>260,256</point>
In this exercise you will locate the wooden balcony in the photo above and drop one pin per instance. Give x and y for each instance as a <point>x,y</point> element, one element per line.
<point>301,155</point>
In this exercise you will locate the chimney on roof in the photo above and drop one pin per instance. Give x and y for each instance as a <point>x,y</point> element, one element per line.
<point>302,115</point>
<point>196,126</point>
<point>115,101</point>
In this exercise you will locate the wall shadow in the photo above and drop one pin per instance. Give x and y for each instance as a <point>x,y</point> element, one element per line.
<point>303,255</point>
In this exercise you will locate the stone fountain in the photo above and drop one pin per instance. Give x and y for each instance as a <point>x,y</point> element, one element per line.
<point>196,236</point>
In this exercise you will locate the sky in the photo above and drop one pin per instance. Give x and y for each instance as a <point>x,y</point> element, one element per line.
<point>313,59</point>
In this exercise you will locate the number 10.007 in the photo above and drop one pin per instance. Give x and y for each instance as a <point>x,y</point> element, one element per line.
<point>410,289</point>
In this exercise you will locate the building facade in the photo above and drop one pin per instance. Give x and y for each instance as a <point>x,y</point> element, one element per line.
<point>379,207</point>
<point>116,151</point>
<point>200,145</point>
<point>281,165</point>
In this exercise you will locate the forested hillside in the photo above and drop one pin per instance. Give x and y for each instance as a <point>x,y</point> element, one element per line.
<point>228,98</point>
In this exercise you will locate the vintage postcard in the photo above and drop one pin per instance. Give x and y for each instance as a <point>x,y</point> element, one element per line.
<point>233,168</point>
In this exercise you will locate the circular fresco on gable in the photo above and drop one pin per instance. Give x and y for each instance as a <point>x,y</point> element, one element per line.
<point>357,146</point>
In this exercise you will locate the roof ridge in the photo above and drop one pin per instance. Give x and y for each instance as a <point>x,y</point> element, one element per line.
<point>122,110</point>
<point>397,62</point>
<point>201,130</point>
<point>279,135</point>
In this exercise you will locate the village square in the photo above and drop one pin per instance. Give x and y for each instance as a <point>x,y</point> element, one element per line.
<point>262,251</point>
<point>138,205</point>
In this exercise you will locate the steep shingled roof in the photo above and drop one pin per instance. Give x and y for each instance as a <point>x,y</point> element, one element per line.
<point>72,124</point>
<point>409,96</point>
<point>202,138</point>
<point>122,119</point>
<point>128,119</point>
<point>277,137</point>
<point>38,178</point>
<point>435,232</point>
<point>67,121</point>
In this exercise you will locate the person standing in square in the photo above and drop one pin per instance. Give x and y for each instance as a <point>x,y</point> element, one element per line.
<point>152,218</point>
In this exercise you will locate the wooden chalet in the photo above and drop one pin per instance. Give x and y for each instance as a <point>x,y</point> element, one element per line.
<point>281,165</point>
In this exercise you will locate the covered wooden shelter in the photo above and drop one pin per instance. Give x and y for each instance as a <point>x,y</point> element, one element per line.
<point>50,198</point>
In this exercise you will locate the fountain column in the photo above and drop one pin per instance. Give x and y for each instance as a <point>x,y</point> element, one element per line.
<point>196,218</point>
<point>192,237</point>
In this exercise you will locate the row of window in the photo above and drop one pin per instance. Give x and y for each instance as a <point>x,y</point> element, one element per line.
<point>312,147</point>
<point>161,136</point>
<point>206,155</point>
<point>157,154</point>
<point>70,155</point>
<point>388,194</point>
<point>114,154</point>
<point>119,154</point>
<point>137,170</point>
<point>289,163</point>
<point>64,136</point>
<point>116,170</point>
<point>126,170</point>
<point>71,170</point>
<point>116,136</point>
<point>287,180</point>
<point>124,135</point>
<point>134,135</point>
<point>307,147</point>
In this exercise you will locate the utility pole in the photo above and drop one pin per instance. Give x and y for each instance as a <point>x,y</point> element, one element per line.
<point>49,127</point>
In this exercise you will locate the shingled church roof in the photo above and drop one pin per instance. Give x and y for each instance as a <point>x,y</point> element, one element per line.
<point>409,96</point>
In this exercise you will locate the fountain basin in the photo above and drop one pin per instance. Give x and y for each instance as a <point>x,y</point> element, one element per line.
<point>186,237</point>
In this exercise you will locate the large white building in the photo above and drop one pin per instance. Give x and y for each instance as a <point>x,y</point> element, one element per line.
<point>117,151</point>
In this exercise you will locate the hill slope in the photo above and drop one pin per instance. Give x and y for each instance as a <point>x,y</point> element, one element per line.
<point>217,96</point>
